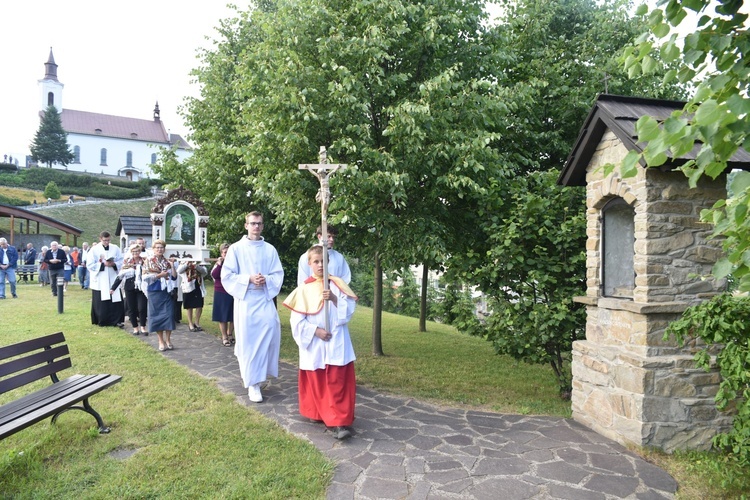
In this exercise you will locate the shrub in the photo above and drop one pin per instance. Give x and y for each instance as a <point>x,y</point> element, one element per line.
<point>52,191</point>
<point>723,323</point>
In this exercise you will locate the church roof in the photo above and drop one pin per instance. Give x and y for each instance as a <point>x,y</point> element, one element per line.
<point>87,123</point>
<point>619,114</point>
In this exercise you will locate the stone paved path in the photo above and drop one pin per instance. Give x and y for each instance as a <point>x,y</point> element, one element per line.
<point>404,448</point>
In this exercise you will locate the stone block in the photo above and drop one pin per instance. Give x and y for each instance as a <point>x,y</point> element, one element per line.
<point>632,379</point>
<point>666,385</point>
<point>598,408</point>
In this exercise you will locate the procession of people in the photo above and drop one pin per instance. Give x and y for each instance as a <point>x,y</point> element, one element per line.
<point>142,286</point>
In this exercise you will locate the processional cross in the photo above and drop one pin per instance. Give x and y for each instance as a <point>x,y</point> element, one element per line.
<point>323,171</point>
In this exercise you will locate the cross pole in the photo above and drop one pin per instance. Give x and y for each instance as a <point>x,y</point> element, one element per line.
<point>323,171</point>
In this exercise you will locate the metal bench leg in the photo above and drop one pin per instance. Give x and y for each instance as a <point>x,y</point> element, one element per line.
<point>103,429</point>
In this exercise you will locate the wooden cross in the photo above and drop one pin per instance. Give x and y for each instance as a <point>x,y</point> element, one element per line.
<point>323,171</point>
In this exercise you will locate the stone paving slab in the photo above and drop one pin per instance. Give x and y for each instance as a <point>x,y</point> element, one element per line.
<point>402,448</point>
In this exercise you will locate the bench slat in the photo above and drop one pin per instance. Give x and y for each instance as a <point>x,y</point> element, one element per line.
<point>85,387</point>
<point>38,358</point>
<point>31,345</point>
<point>38,397</point>
<point>24,378</point>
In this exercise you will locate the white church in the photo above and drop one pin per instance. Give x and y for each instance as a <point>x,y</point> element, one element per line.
<point>107,144</point>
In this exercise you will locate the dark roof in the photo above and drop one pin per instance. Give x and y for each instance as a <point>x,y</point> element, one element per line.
<point>29,215</point>
<point>133,225</point>
<point>619,114</point>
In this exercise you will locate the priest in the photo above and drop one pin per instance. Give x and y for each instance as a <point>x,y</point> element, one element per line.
<point>103,262</point>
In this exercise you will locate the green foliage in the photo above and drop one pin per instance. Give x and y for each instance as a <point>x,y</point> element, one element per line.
<point>52,191</point>
<point>723,323</point>
<point>7,200</point>
<point>398,90</point>
<point>534,267</point>
<point>715,117</point>
<point>50,143</point>
<point>79,184</point>
<point>8,167</point>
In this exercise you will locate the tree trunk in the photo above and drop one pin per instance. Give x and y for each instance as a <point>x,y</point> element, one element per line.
<point>377,309</point>
<point>423,300</point>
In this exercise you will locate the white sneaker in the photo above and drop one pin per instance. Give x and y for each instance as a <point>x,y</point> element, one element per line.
<point>253,392</point>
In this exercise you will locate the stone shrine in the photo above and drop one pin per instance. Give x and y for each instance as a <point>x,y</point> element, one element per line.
<point>181,219</point>
<point>648,259</point>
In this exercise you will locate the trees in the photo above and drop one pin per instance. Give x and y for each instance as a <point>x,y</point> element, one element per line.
<point>50,143</point>
<point>525,249</point>
<point>399,90</point>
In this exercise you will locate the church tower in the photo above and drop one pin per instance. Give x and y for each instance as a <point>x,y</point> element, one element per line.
<point>51,89</point>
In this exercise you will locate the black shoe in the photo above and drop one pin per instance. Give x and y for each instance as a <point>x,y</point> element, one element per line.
<point>15,296</point>
<point>340,432</point>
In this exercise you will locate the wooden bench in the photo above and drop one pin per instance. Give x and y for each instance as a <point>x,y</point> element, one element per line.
<point>35,359</point>
<point>26,272</point>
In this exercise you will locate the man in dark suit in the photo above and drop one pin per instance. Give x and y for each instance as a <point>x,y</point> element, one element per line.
<point>29,258</point>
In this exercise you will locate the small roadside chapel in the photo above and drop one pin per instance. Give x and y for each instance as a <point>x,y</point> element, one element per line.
<point>181,219</point>
<point>648,257</point>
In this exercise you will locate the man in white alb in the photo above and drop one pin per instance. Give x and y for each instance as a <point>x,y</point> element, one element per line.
<point>337,265</point>
<point>253,275</point>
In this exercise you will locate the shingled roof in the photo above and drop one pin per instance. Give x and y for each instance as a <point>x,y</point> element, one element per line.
<point>133,225</point>
<point>619,114</point>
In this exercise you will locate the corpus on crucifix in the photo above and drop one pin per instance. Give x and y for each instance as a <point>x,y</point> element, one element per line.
<point>323,171</point>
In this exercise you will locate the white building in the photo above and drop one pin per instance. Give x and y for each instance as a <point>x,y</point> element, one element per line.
<point>107,144</point>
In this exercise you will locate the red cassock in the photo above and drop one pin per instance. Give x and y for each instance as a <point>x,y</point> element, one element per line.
<point>328,394</point>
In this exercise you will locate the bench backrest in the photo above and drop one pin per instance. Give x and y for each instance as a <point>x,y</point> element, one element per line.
<point>32,360</point>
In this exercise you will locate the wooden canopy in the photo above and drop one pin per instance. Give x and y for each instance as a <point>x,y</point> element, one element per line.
<point>36,218</point>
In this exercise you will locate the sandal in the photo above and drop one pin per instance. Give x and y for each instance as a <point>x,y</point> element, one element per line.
<point>226,342</point>
<point>231,338</point>
<point>198,328</point>
<point>192,329</point>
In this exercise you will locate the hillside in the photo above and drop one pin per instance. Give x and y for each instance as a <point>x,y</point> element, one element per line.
<point>93,217</point>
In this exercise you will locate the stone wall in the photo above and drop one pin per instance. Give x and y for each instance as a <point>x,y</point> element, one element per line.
<point>628,383</point>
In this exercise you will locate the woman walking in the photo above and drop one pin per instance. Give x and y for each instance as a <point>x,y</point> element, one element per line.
<point>131,277</point>
<point>223,310</point>
<point>193,292</point>
<point>161,278</point>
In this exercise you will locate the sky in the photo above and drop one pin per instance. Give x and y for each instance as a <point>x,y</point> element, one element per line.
<point>116,58</point>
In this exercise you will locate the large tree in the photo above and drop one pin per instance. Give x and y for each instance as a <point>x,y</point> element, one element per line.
<point>50,143</point>
<point>399,90</point>
<point>526,249</point>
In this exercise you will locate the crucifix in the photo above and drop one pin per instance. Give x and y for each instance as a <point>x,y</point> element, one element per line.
<point>323,171</point>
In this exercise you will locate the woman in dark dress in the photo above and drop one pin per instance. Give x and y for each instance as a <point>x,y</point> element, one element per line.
<point>223,311</point>
<point>193,292</point>
<point>161,278</point>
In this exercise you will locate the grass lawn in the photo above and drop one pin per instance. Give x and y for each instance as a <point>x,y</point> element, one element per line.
<point>188,439</point>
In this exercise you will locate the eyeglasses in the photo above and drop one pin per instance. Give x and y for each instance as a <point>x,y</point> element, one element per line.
<point>255,224</point>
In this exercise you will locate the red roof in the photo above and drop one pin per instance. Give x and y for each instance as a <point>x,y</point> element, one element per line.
<point>84,122</point>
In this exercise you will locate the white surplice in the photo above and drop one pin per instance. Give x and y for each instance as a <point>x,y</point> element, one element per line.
<point>256,320</point>
<point>103,276</point>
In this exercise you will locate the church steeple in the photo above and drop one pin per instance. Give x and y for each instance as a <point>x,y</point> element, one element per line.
<point>50,87</point>
<point>157,113</point>
<point>50,68</point>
